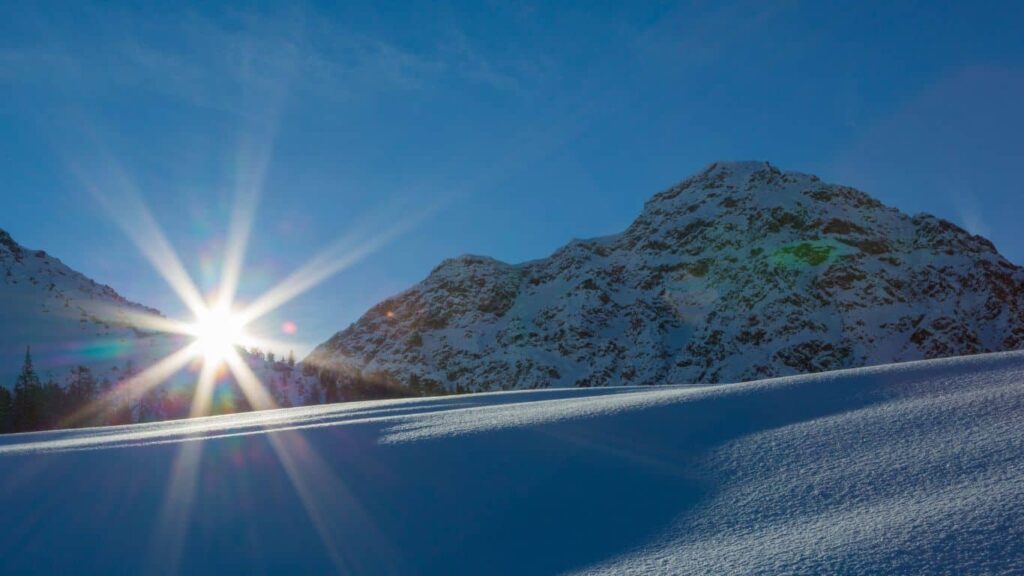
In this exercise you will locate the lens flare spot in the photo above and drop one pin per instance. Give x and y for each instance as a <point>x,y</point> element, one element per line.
<point>289,327</point>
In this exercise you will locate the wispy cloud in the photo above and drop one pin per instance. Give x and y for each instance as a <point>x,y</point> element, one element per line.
<point>210,62</point>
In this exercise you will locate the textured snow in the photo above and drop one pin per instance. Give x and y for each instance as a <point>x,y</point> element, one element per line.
<point>899,469</point>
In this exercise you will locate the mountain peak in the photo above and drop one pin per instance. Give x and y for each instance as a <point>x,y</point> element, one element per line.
<point>10,245</point>
<point>465,261</point>
<point>733,177</point>
<point>740,272</point>
<point>740,167</point>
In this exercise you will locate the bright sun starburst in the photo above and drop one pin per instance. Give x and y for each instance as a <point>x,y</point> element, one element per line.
<point>218,332</point>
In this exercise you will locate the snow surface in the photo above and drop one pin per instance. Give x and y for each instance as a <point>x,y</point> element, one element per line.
<point>899,469</point>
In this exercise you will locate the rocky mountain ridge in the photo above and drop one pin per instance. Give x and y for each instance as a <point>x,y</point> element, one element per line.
<point>739,272</point>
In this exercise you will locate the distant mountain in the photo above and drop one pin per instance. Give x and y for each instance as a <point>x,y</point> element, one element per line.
<point>70,320</point>
<point>740,272</point>
<point>67,318</point>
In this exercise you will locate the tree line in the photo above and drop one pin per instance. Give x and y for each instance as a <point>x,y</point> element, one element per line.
<point>84,400</point>
<point>37,405</point>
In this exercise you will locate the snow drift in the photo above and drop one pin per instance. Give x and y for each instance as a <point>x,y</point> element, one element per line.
<point>908,468</point>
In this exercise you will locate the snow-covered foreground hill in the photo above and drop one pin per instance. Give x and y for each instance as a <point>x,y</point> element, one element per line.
<point>909,468</point>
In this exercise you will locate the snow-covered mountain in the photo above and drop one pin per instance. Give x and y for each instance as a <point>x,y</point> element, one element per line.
<point>70,320</point>
<point>66,318</point>
<point>740,272</point>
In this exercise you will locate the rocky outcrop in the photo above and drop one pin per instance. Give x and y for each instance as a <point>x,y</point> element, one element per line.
<point>737,273</point>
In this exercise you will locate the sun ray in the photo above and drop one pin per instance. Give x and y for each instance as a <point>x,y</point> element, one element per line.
<point>172,524</point>
<point>176,511</point>
<point>248,190</point>
<point>249,383</point>
<point>256,145</point>
<point>318,487</point>
<point>116,192</point>
<point>343,253</point>
<point>204,391</point>
<point>239,230</point>
<point>142,320</point>
<point>135,386</point>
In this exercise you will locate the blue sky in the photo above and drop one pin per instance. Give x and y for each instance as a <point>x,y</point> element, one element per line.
<point>494,128</point>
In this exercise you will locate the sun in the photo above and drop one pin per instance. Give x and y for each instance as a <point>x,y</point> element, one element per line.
<point>217,332</point>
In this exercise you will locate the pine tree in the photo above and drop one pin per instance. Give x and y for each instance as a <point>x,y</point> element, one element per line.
<point>80,394</point>
<point>291,358</point>
<point>54,406</point>
<point>329,385</point>
<point>301,394</point>
<point>6,410</point>
<point>27,397</point>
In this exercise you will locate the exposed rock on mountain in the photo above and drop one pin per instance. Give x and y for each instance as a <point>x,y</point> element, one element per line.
<point>740,272</point>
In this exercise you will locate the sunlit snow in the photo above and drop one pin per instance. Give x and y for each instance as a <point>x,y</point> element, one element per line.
<point>910,468</point>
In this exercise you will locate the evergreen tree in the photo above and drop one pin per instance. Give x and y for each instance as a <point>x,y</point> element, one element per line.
<point>6,410</point>
<point>80,394</point>
<point>329,386</point>
<point>291,358</point>
<point>54,404</point>
<point>81,387</point>
<point>301,393</point>
<point>27,397</point>
<point>286,385</point>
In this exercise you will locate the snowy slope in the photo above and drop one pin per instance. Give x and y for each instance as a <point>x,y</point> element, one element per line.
<point>740,272</point>
<point>901,469</point>
<point>67,319</point>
